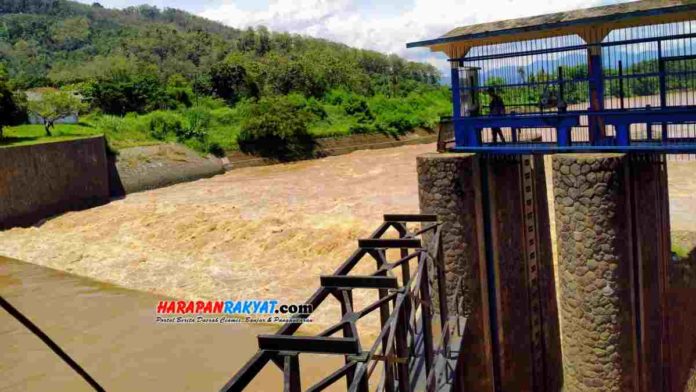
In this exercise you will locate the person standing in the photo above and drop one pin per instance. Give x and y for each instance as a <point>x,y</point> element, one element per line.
<point>496,108</point>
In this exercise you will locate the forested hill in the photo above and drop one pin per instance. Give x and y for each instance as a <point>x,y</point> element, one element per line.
<point>59,42</point>
<point>144,75</point>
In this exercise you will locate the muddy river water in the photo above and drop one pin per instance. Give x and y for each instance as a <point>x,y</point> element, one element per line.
<point>265,232</point>
<point>112,333</point>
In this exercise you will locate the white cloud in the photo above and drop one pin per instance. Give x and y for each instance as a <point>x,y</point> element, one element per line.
<point>343,21</point>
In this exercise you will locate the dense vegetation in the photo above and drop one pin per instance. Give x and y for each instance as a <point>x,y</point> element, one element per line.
<point>149,74</point>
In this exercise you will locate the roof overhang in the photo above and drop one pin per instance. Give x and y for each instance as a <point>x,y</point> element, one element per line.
<point>592,24</point>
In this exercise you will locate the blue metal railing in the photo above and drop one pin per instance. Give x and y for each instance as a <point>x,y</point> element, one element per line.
<point>636,91</point>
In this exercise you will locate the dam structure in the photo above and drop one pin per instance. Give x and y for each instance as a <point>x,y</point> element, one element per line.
<point>610,92</point>
<point>598,97</point>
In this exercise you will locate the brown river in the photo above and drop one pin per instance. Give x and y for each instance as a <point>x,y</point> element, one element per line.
<point>111,332</point>
<point>264,232</point>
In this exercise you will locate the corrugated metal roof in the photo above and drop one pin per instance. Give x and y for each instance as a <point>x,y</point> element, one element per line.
<point>561,19</point>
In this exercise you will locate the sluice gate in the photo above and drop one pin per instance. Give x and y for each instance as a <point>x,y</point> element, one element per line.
<point>611,92</point>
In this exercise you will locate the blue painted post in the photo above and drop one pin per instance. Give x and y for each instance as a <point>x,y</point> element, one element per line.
<point>563,136</point>
<point>623,138</point>
<point>456,98</point>
<point>663,89</point>
<point>460,135</point>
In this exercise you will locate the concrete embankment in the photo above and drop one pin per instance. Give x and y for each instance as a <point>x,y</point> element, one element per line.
<point>41,180</point>
<point>332,146</point>
<point>141,168</point>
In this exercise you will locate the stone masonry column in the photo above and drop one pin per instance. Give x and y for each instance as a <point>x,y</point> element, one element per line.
<point>449,186</point>
<point>612,214</point>
<point>496,237</point>
<point>594,257</point>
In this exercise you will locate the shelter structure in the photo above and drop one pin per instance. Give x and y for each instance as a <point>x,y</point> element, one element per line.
<point>613,78</point>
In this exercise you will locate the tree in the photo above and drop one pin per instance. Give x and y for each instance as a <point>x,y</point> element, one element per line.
<point>247,40</point>
<point>121,93</point>
<point>277,128</point>
<point>264,44</point>
<point>70,33</point>
<point>229,81</point>
<point>11,108</point>
<point>54,105</point>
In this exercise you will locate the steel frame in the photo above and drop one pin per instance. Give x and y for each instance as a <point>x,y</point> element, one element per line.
<point>404,346</point>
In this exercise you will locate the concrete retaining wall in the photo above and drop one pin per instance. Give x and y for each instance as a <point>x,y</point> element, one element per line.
<point>41,180</point>
<point>150,167</point>
<point>330,146</point>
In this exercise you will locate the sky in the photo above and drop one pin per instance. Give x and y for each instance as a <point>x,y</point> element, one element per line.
<point>385,25</point>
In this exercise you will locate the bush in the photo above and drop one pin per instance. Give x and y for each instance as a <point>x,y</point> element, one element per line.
<point>276,128</point>
<point>163,124</point>
<point>315,108</point>
<point>181,95</point>
<point>110,124</point>
<point>336,97</point>
<point>215,149</point>
<point>361,128</point>
<point>197,119</point>
<point>396,124</point>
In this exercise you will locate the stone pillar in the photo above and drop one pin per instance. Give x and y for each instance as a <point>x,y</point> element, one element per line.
<point>449,186</point>
<point>496,237</point>
<point>594,270</point>
<point>612,227</point>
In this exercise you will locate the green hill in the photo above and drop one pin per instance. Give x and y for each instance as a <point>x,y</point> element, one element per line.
<point>167,74</point>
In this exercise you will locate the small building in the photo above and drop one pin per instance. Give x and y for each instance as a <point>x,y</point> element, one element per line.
<point>612,78</point>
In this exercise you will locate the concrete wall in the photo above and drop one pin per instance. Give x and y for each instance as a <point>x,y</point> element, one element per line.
<point>149,167</point>
<point>339,145</point>
<point>41,180</point>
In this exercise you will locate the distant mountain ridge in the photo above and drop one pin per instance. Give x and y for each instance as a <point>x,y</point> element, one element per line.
<point>56,42</point>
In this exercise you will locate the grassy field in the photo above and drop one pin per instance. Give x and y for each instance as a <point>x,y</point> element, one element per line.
<point>34,134</point>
